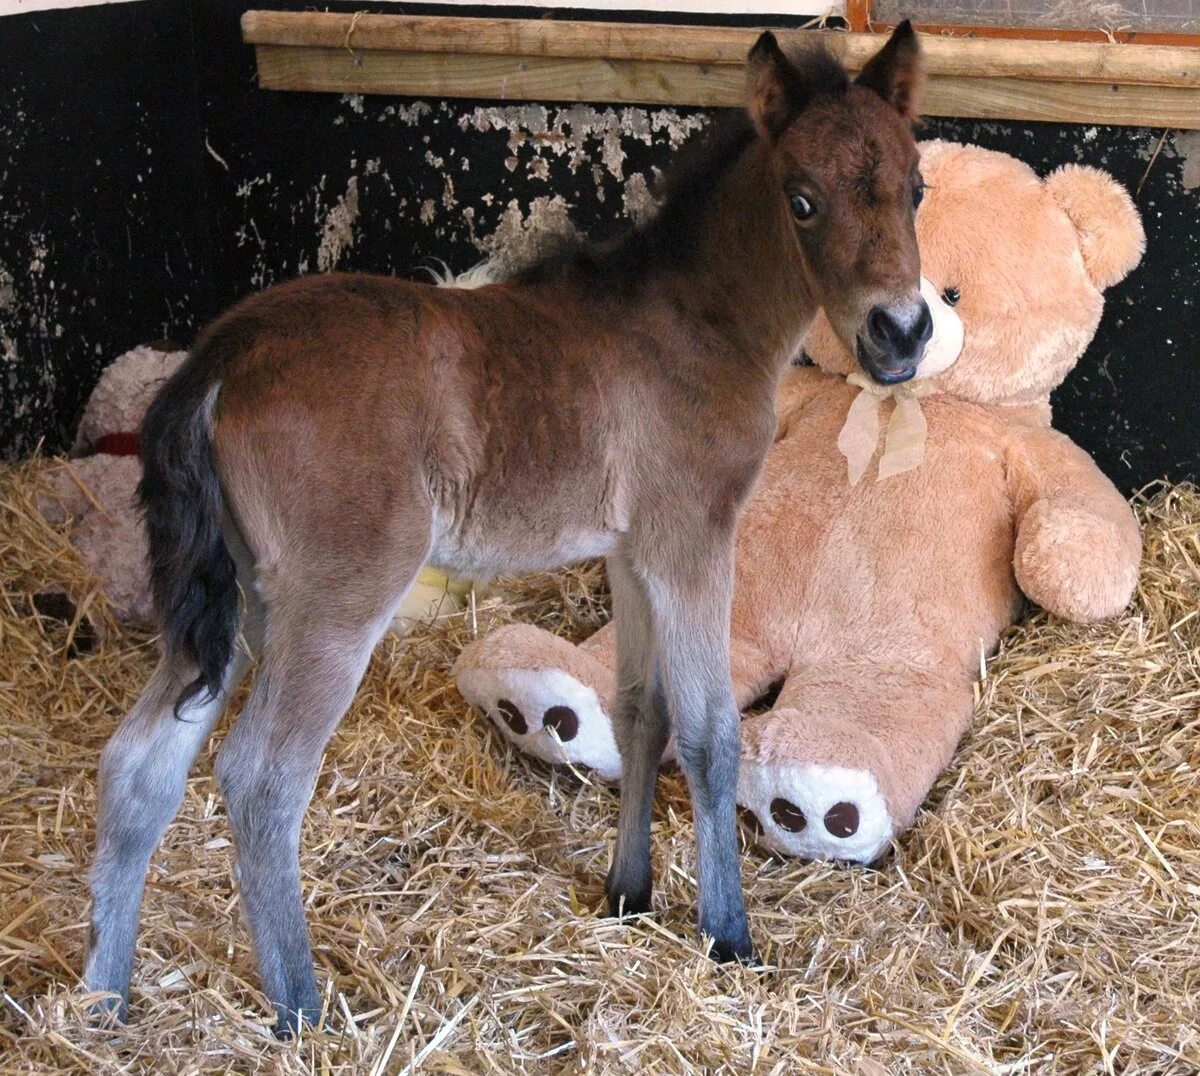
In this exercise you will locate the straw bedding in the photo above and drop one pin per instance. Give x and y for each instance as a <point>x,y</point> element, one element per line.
<point>1041,916</point>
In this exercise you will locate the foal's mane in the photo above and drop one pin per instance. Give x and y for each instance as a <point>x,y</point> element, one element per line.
<point>668,240</point>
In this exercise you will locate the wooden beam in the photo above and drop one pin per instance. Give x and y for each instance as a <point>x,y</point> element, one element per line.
<point>519,59</point>
<point>1052,33</point>
<point>537,78</point>
<point>1151,65</point>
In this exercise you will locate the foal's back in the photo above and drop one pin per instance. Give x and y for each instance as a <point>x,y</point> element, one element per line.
<point>491,414</point>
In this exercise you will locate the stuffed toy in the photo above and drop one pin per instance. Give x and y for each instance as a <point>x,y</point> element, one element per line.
<point>94,490</point>
<point>893,531</point>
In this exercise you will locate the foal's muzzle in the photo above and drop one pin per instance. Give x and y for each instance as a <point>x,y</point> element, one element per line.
<point>894,342</point>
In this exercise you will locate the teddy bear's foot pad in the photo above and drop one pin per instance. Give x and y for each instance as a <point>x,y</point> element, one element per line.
<point>816,812</point>
<point>547,714</point>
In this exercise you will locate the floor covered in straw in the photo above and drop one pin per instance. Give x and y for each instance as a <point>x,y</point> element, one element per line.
<point>1041,916</point>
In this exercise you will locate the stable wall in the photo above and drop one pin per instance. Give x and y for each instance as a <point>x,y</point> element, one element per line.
<point>208,188</point>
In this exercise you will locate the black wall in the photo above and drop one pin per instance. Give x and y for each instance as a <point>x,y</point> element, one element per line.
<point>145,183</point>
<point>102,242</point>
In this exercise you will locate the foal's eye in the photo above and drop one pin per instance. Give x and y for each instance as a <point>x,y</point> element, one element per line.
<point>918,193</point>
<point>951,296</point>
<point>802,208</point>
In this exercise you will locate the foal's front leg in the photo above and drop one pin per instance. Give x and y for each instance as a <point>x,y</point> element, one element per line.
<point>641,728</point>
<point>688,589</point>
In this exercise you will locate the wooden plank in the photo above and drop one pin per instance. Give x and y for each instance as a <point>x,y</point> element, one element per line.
<point>501,78</point>
<point>499,37</point>
<point>539,78</point>
<point>1051,33</point>
<point>1063,102</point>
<point>1084,61</point>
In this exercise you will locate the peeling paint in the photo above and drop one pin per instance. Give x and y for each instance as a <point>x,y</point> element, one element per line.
<point>8,295</point>
<point>410,114</point>
<point>574,130</point>
<point>337,235</point>
<point>639,204</point>
<point>1187,146</point>
<point>522,238</point>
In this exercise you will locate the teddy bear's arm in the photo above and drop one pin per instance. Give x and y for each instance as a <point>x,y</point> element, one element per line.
<point>1078,546</point>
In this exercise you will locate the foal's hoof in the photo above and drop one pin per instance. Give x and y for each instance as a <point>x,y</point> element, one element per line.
<point>109,1011</point>
<point>732,944</point>
<point>289,1020</point>
<point>739,952</point>
<point>624,904</point>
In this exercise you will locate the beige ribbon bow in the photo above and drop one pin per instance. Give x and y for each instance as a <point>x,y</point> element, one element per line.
<point>904,447</point>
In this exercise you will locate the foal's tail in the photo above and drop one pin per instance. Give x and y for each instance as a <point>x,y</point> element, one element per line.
<point>192,574</point>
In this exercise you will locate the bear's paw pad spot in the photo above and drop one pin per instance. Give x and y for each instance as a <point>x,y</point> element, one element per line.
<point>842,819</point>
<point>563,720</point>
<point>513,717</point>
<point>787,815</point>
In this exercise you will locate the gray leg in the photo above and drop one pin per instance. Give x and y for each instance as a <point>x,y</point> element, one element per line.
<point>143,773</point>
<point>641,727</point>
<point>315,653</point>
<point>690,602</point>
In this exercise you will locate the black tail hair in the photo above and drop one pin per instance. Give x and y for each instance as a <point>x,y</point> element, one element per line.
<point>192,574</point>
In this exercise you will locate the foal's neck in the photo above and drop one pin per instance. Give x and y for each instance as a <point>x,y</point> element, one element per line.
<point>748,280</point>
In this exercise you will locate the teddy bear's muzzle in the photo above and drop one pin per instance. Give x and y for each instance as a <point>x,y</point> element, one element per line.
<point>894,342</point>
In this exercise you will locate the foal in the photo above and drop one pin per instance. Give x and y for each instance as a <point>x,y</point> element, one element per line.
<point>329,436</point>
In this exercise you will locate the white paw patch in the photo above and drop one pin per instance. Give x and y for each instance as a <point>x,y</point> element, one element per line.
<point>816,812</point>
<point>547,714</point>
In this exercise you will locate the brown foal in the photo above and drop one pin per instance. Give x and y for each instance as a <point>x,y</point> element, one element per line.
<point>329,436</point>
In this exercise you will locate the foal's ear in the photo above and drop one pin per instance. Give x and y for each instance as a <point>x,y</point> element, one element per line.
<point>897,72</point>
<point>776,89</point>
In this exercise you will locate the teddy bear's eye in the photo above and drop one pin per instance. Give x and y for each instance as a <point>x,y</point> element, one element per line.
<point>951,296</point>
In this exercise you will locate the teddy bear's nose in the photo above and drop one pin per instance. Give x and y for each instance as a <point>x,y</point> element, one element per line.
<point>898,335</point>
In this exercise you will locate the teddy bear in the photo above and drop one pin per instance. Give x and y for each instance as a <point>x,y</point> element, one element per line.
<point>94,490</point>
<point>894,531</point>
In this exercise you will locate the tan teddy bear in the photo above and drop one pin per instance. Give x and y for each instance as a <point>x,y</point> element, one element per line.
<point>893,531</point>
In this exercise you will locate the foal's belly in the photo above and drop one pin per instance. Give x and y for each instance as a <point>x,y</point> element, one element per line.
<point>479,559</point>
<point>486,547</point>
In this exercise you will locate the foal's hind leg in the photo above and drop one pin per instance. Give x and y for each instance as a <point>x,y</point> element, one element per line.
<point>319,639</point>
<point>143,773</point>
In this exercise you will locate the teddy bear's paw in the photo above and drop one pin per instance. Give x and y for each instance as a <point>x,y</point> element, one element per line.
<point>1076,563</point>
<point>547,714</point>
<point>815,811</point>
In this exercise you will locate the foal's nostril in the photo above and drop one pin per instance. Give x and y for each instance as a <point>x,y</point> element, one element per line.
<point>563,720</point>
<point>879,325</point>
<point>923,330</point>
<point>904,332</point>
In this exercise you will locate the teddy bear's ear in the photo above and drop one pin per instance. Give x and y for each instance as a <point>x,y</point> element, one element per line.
<point>1111,237</point>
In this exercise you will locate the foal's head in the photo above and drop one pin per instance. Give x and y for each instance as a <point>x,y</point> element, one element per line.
<point>845,163</point>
